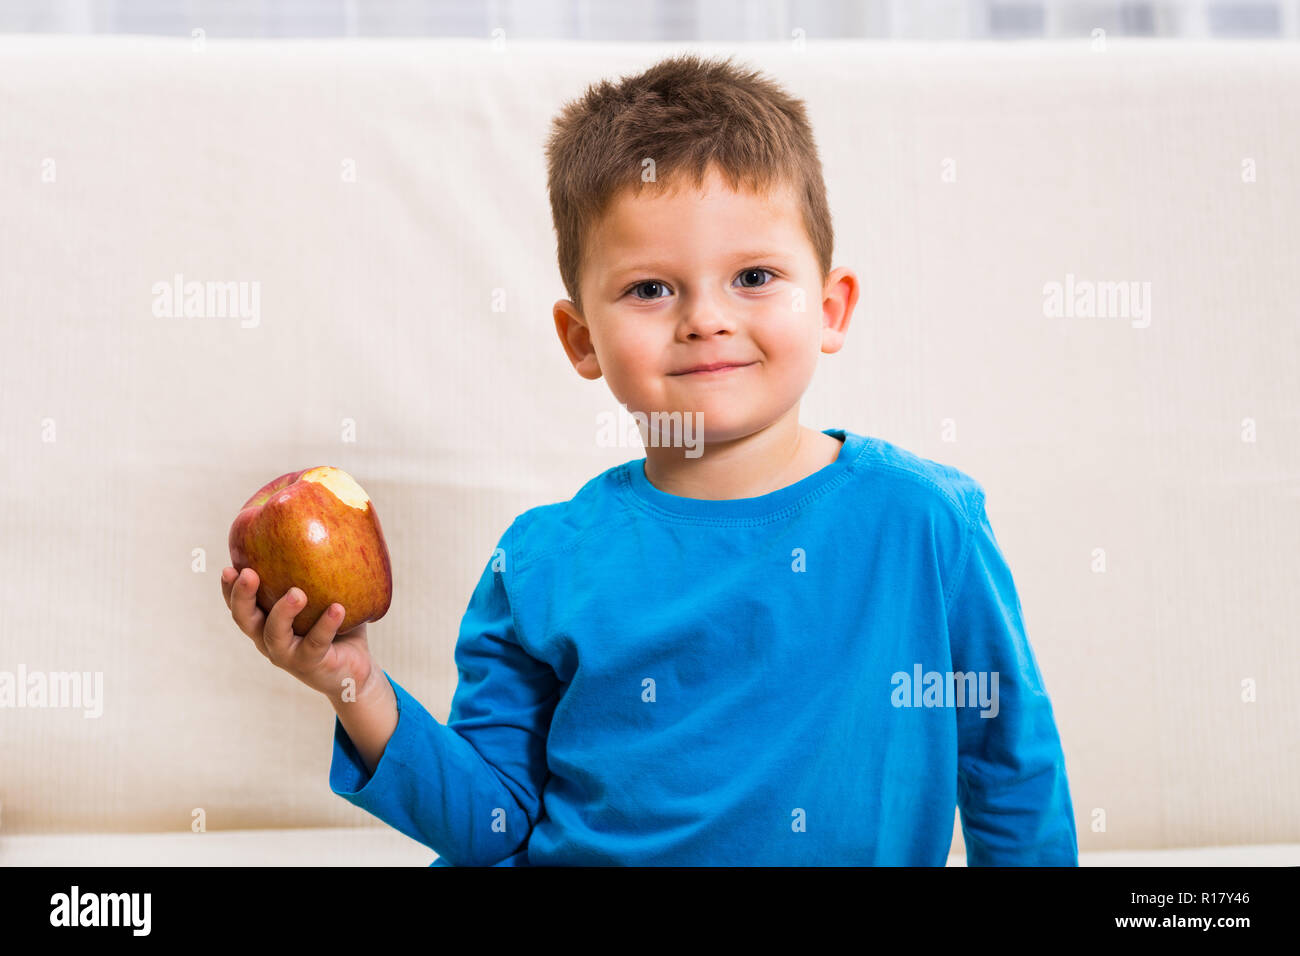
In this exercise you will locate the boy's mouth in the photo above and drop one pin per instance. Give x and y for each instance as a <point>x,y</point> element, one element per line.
<point>712,368</point>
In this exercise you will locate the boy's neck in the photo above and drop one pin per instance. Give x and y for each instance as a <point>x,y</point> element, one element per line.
<point>770,459</point>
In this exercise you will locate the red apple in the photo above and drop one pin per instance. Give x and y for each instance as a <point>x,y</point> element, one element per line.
<point>317,530</point>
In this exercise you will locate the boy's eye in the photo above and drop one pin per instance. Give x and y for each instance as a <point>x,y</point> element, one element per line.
<point>746,274</point>
<point>754,272</point>
<point>651,284</point>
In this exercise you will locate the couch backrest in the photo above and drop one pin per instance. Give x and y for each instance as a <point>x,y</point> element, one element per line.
<point>388,199</point>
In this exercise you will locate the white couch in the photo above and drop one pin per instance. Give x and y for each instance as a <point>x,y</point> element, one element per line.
<point>385,194</point>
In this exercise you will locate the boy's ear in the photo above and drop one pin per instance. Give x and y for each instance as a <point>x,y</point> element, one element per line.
<point>576,339</point>
<point>839,296</point>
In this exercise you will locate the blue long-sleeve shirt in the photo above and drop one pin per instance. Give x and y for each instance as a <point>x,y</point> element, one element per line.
<point>815,676</point>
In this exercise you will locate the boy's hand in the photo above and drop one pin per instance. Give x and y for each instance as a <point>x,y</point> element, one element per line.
<point>320,659</point>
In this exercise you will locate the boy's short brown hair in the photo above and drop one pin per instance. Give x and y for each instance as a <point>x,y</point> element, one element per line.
<point>686,114</point>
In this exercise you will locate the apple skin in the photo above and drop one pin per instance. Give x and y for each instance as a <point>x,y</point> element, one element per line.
<point>299,532</point>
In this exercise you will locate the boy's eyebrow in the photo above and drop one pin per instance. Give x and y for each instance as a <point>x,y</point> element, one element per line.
<point>753,255</point>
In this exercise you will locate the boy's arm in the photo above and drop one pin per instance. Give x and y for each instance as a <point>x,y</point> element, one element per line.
<point>369,717</point>
<point>471,788</point>
<point>1011,782</point>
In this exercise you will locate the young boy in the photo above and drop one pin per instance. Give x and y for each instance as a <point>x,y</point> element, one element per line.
<point>797,648</point>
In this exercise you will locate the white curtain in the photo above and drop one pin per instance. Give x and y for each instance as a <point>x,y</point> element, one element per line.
<point>665,20</point>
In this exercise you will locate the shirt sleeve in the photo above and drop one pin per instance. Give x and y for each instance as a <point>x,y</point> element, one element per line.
<point>1011,783</point>
<point>470,789</point>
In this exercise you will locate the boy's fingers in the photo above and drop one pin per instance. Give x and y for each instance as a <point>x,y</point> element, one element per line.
<point>316,642</point>
<point>278,632</point>
<point>243,604</point>
<point>228,576</point>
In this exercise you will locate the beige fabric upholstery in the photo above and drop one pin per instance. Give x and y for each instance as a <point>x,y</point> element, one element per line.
<point>388,199</point>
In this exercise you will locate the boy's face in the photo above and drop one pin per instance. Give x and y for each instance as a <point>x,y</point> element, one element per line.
<point>673,280</point>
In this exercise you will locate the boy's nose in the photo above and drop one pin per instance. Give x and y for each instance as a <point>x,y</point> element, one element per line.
<point>706,317</point>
